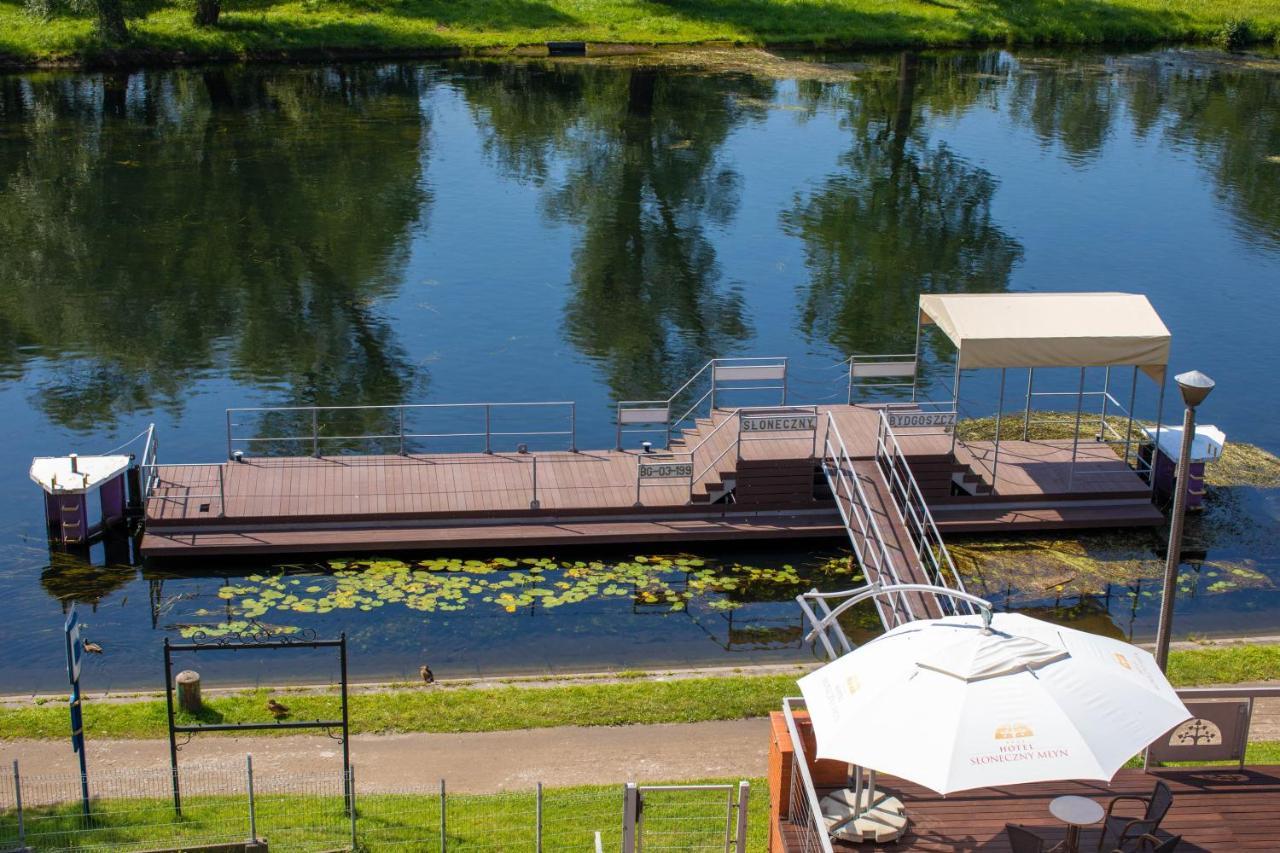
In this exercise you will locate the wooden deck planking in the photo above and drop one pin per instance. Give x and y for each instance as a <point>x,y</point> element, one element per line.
<point>384,492</point>
<point>184,543</point>
<point>1216,810</point>
<point>897,541</point>
<point>1043,467</point>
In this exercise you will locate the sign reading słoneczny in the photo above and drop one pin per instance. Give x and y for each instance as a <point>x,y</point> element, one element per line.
<point>921,419</point>
<point>666,470</point>
<point>779,423</point>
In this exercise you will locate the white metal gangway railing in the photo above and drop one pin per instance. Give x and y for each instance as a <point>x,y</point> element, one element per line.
<point>869,544</point>
<point>699,393</point>
<point>929,550</point>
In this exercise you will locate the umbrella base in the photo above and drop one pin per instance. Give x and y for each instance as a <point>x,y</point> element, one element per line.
<point>859,819</point>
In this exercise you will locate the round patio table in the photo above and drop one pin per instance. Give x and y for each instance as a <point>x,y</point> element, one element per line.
<point>1075,812</point>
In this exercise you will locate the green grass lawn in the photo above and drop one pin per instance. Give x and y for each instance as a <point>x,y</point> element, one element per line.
<point>163,30</point>
<point>298,822</point>
<point>468,709</point>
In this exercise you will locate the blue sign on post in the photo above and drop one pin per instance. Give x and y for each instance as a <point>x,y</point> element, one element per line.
<point>75,650</point>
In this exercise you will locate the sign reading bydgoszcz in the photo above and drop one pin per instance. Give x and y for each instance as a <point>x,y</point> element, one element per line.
<point>920,419</point>
<point>666,470</point>
<point>779,423</point>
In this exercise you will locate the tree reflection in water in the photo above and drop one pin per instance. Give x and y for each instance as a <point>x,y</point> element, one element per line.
<point>646,180</point>
<point>232,221</point>
<point>903,214</point>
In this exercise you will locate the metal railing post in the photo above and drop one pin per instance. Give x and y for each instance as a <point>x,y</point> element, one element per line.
<point>640,462</point>
<point>538,817</point>
<point>573,427</point>
<point>253,811</point>
<point>315,433</point>
<point>630,811</point>
<point>955,397</point>
<point>400,419</point>
<point>1106,392</point>
<point>617,427</point>
<point>713,385</point>
<point>351,807</point>
<point>784,381</point>
<point>222,492</point>
<point>995,462</point>
<point>1075,439</point>
<point>444,832</point>
<point>144,450</point>
<point>1026,415</point>
<point>744,792</point>
<point>17,801</point>
<point>1128,430</point>
<point>488,448</point>
<point>534,504</point>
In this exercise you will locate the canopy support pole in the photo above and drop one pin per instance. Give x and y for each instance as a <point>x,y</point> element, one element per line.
<point>1133,397</point>
<point>955,404</point>
<point>1026,415</point>
<point>916,373</point>
<point>1155,445</point>
<point>1106,393</point>
<point>1075,438</point>
<point>995,463</point>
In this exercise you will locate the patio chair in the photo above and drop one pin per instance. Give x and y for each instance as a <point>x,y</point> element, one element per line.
<point>1152,844</point>
<point>1023,840</point>
<point>1124,833</point>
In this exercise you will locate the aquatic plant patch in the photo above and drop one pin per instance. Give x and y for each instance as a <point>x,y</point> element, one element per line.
<point>668,583</point>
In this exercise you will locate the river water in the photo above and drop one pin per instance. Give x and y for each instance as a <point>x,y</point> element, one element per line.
<point>176,242</point>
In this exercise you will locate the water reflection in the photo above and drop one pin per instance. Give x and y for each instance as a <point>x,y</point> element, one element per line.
<point>163,226</point>
<point>903,213</point>
<point>177,242</point>
<point>1222,110</point>
<point>645,180</point>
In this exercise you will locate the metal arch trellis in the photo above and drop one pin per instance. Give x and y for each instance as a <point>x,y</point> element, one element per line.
<point>256,638</point>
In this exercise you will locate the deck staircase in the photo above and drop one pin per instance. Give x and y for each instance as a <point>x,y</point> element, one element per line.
<point>733,475</point>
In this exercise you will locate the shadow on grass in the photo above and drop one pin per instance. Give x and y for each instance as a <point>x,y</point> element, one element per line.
<point>482,14</point>
<point>1058,20</point>
<point>976,20</point>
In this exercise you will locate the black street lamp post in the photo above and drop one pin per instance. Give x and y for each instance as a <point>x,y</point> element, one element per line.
<point>1195,386</point>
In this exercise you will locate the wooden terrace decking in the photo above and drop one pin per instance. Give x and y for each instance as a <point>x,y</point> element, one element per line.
<point>472,500</point>
<point>1213,810</point>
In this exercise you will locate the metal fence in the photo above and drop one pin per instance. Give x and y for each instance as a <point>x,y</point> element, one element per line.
<point>133,811</point>
<point>685,817</point>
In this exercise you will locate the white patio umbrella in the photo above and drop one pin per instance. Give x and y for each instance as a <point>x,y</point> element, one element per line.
<point>952,705</point>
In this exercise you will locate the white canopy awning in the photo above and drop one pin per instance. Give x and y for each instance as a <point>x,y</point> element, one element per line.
<point>1051,329</point>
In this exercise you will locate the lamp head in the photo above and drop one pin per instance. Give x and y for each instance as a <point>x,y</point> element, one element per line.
<point>1195,386</point>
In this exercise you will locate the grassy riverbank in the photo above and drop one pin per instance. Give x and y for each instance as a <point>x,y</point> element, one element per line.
<point>469,709</point>
<point>163,31</point>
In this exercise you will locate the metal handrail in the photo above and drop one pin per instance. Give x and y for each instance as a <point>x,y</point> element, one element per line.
<point>150,450</point>
<point>885,360</point>
<point>735,415</point>
<point>150,474</point>
<point>800,766</point>
<point>830,617</point>
<point>401,434</point>
<point>670,423</point>
<point>840,463</point>
<point>908,497</point>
